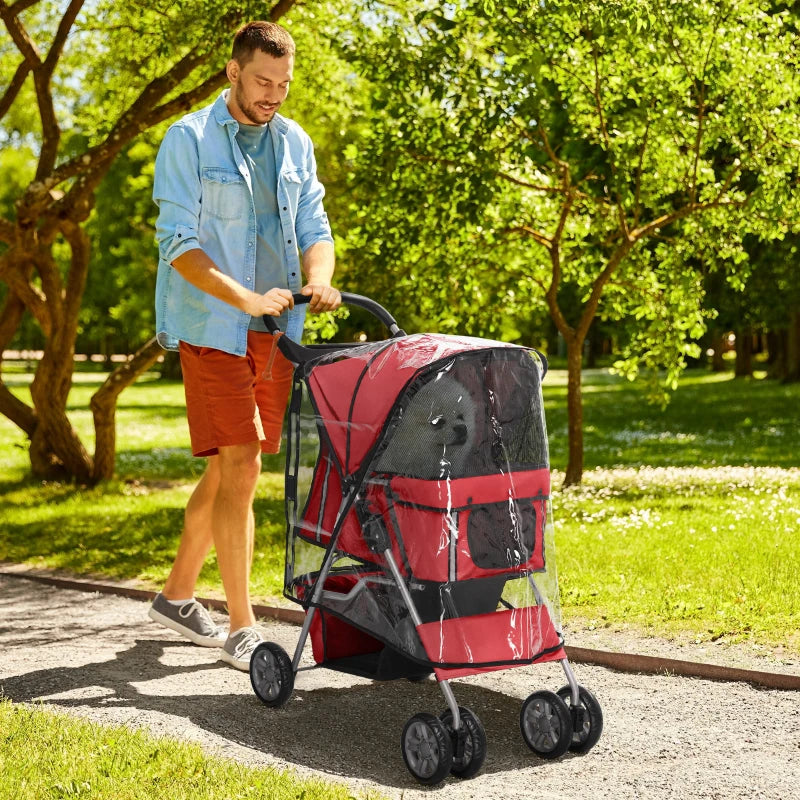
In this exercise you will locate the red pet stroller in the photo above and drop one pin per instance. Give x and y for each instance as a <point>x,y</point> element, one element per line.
<point>419,538</point>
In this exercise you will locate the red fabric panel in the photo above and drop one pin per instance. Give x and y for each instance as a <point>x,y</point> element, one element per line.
<point>461,492</point>
<point>518,634</point>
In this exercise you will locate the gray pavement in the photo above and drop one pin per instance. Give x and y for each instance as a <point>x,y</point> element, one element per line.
<point>99,657</point>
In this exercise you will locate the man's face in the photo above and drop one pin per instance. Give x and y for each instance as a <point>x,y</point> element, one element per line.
<point>259,87</point>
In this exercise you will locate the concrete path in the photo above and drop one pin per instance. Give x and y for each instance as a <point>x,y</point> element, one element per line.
<point>665,737</point>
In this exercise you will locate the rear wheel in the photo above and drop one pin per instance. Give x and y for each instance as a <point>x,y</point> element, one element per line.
<point>589,719</point>
<point>546,724</point>
<point>473,749</point>
<point>427,748</point>
<point>271,674</point>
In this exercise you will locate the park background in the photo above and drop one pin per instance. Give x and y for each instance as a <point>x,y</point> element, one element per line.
<point>614,183</point>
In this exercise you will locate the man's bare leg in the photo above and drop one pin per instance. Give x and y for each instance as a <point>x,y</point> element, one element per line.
<point>233,527</point>
<point>197,537</point>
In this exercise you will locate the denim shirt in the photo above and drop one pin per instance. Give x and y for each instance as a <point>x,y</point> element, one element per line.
<point>204,195</point>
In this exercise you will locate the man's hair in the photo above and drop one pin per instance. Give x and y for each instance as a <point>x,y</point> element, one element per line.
<point>268,37</point>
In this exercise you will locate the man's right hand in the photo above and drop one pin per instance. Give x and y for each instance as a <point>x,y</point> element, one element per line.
<point>274,302</point>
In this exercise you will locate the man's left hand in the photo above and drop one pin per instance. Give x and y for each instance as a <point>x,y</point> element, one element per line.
<point>323,297</point>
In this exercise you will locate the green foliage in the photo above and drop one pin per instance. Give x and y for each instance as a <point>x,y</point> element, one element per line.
<point>520,147</point>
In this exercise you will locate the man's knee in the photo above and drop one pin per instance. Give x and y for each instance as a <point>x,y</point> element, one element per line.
<point>239,465</point>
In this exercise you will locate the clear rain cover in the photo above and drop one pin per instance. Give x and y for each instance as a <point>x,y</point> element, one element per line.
<point>418,508</point>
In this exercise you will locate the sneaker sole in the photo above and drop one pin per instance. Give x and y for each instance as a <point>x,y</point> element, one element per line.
<point>192,636</point>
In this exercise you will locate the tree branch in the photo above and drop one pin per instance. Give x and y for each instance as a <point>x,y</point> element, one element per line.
<point>537,236</point>
<point>11,92</point>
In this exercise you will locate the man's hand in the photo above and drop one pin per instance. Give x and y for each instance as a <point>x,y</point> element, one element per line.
<point>274,302</point>
<point>323,297</point>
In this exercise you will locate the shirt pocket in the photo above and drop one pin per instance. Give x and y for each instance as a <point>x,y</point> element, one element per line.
<point>292,182</point>
<point>225,193</point>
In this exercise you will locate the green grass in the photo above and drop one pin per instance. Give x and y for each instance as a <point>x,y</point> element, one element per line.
<point>707,544</point>
<point>45,756</point>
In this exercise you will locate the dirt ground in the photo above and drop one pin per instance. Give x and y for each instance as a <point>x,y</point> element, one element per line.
<point>98,656</point>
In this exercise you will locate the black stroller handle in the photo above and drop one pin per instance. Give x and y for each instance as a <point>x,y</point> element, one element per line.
<point>299,353</point>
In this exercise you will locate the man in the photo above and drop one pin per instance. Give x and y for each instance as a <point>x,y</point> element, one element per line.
<point>238,197</point>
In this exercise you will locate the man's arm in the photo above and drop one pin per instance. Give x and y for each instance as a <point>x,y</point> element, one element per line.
<point>318,266</point>
<point>198,268</point>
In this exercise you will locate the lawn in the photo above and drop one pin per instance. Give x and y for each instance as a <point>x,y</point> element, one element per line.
<point>53,756</point>
<point>688,520</point>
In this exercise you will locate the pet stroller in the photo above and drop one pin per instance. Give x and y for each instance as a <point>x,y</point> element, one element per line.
<point>419,537</point>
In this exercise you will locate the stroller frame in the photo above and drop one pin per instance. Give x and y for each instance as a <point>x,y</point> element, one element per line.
<point>551,723</point>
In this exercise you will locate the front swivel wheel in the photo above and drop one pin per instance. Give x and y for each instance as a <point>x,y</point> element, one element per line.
<point>427,748</point>
<point>469,743</point>
<point>271,674</point>
<point>587,719</point>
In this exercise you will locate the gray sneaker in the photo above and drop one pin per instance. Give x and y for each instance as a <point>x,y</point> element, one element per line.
<point>239,647</point>
<point>190,620</point>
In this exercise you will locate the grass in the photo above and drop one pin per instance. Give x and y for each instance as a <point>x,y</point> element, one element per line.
<point>52,756</point>
<point>687,521</point>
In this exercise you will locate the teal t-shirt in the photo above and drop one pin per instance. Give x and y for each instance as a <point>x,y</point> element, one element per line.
<point>255,143</point>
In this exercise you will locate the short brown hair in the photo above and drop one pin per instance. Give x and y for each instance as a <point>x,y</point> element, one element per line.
<point>268,37</point>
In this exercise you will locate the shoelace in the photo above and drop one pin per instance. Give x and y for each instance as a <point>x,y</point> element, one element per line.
<point>207,626</point>
<point>186,610</point>
<point>248,639</point>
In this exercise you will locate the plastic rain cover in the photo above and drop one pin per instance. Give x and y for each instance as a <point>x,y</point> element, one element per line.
<point>419,519</point>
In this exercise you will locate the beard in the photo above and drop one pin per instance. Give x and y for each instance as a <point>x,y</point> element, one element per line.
<point>255,114</point>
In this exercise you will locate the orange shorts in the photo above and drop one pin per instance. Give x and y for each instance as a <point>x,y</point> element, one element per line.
<point>234,400</point>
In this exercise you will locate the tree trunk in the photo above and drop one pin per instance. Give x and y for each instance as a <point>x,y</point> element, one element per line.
<point>793,349</point>
<point>574,472</point>
<point>744,353</point>
<point>776,346</point>
<point>104,407</point>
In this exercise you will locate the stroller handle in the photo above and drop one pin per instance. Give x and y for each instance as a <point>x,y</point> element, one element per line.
<point>299,353</point>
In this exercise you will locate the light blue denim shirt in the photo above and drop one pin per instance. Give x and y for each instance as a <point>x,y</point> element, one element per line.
<point>204,193</point>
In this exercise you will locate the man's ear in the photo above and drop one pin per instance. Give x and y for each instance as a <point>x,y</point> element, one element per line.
<point>232,70</point>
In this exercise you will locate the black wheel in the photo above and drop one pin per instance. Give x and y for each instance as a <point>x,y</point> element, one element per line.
<point>546,724</point>
<point>271,674</point>
<point>588,726</point>
<point>473,754</point>
<point>427,749</point>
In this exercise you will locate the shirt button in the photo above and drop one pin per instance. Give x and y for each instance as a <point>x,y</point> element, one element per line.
<point>289,241</point>
<point>248,279</point>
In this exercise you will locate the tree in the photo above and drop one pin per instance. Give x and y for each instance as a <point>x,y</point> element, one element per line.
<point>98,75</point>
<point>528,153</point>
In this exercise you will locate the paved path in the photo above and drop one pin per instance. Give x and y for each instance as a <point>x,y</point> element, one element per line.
<point>665,737</point>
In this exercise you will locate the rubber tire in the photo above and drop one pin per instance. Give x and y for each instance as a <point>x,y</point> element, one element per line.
<point>546,724</point>
<point>584,740</point>
<point>271,674</point>
<point>427,748</point>
<point>475,747</point>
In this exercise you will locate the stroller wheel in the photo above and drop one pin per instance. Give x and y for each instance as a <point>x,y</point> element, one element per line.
<point>271,674</point>
<point>473,751</point>
<point>427,748</point>
<point>546,724</point>
<point>588,725</point>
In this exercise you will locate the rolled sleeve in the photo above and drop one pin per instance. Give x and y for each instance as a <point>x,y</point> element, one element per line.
<point>177,192</point>
<point>312,222</point>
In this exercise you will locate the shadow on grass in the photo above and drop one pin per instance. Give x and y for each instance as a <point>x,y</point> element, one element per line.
<point>709,421</point>
<point>120,531</point>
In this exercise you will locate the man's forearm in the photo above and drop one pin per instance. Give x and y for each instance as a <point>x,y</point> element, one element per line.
<point>201,271</point>
<point>319,263</point>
